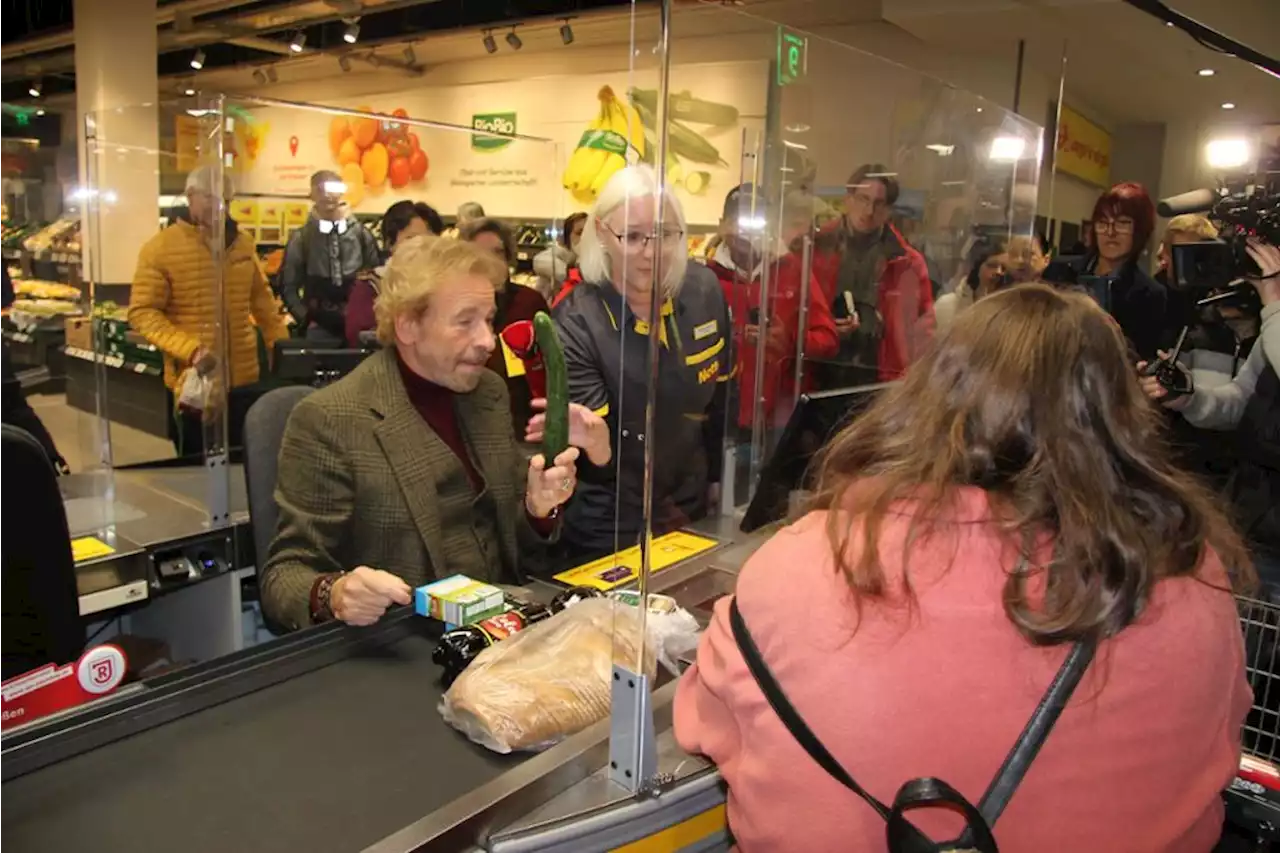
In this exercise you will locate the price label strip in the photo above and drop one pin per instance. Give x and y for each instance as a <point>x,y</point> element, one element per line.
<point>623,567</point>
<point>51,688</point>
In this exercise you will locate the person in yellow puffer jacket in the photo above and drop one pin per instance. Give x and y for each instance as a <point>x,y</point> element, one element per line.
<point>172,304</point>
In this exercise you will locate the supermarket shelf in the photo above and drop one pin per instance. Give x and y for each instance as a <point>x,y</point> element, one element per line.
<point>117,361</point>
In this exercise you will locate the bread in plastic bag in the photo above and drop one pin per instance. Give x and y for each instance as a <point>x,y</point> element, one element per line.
<point>548,681</point>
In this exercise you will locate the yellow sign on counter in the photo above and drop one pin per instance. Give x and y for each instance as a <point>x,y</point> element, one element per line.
<point>624,566</point>
<point>89,548</point>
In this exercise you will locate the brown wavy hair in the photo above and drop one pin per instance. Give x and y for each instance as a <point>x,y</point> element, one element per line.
<point>1031,397</point>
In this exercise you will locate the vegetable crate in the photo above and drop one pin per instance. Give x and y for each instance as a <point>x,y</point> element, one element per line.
<point>1253,800</point>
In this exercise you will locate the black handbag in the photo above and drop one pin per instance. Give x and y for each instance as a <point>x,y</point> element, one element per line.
<point>925,792</point>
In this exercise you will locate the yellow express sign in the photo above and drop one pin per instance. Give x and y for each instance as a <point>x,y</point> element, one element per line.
<point>1084,149</point>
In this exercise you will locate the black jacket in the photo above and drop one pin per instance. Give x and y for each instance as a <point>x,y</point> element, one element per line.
<point>1138,304</point>
<point>606,355</point>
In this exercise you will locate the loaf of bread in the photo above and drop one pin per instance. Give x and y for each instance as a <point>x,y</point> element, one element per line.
<point>548,681</point>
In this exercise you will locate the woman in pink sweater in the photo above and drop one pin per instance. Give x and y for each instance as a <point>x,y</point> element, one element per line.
<point>1011,497</point>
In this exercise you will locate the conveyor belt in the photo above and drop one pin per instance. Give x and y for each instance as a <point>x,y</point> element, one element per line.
<point>332,760</point>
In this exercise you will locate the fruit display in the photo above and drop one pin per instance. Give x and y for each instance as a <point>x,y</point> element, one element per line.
<point>62,235</point>
<point>13,234</point>
<point>603,148</point>
<point>372,154</point>
<point>36,289</point>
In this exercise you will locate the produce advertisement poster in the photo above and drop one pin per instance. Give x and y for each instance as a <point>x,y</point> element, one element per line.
<point>603,118</point>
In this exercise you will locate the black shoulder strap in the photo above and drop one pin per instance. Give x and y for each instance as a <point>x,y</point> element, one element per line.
<point>1002,786</point>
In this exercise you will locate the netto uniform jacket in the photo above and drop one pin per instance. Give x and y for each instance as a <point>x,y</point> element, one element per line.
<point>696,361</point>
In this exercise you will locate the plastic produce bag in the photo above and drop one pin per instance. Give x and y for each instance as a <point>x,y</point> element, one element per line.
<point>548,681</point>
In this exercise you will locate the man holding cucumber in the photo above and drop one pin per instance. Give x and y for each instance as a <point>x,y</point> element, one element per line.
<point>876,283</point>
<point>408,469</point>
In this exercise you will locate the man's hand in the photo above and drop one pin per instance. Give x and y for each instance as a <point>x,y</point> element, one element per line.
<point>360,597</point>
<point>203,361</point>
<point>548,488</point>
<point>587,430</point>
<point>1267,257</point>
<point>846,326</point>
<point>1153,389</point>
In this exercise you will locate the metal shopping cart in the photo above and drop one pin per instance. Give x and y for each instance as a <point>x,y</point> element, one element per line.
<point>1253,800</point>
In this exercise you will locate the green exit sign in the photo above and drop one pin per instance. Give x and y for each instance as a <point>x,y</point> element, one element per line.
<point>793,57</point>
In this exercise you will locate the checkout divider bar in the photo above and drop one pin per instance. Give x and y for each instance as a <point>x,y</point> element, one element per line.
<point>192,690</point>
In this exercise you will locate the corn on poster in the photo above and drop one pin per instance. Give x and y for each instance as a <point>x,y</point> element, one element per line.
<point>591,127</point>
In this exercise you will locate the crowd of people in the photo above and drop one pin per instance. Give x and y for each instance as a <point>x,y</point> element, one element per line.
<point>1014,493</point>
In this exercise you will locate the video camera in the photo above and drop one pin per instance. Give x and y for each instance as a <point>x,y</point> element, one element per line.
<point>1215,270</point>
<point>1241,210</point>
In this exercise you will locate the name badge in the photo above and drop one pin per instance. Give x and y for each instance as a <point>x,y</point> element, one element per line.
<point>706,330</point>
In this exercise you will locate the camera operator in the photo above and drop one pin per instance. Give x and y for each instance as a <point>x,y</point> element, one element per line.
<point>1249,404</point>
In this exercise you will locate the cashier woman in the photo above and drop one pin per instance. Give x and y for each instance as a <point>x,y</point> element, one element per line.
<point>604,326</point>
<point>407,469</point>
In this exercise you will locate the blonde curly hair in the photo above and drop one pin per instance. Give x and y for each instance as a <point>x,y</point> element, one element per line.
<point>417,267</point>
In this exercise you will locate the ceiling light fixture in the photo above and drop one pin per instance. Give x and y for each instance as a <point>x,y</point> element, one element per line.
<point>189,92</point>
<point>197,61</point>
<point>351,34</point>
<point>272,77</point>
<point>566,31</point>
<point>1228,106</point>
<point>40,111</point>
<point>36,88</point>
<point>490,44</point>
<point>513,39</point>
<point>259,76</point>
<point>344,62</point>
<point>410,55</point>
<point>1206,72</point>
<point>298,42</point>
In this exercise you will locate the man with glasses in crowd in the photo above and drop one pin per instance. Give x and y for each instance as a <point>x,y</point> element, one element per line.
<point>876,283</point>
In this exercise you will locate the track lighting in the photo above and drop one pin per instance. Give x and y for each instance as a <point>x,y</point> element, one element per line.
<point>298,42</point>
<point>489,44</point>
<point>344,62</point>
<point>410,57</point>
<point>197,61</point>
<point>352,33</point>
<point>259,76</point>
<point>36,88</point>
<point>272,77</point>
<point>566,31</point>
<point>40,111</point>
<point>514,40</point>
<point>190,92</point>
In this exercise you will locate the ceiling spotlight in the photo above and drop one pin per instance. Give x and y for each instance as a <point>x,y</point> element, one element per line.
<point>272,77</point>
<point>344,62</point>
<point>1228,106</point>
<point>197,61</point>
<point>36,88</point>
<point>1206,72</point>
<point>352,33</point>
<point>489,44</point>
<point>189,92</point>
<point>410,57</point>
<point>298,42</point>
<point>40,111</point>
<point>259,76</point>
<point>566,31</point>
<point>514,40</point>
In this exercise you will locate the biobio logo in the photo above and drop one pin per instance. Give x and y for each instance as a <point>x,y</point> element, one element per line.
<point>501,123</point>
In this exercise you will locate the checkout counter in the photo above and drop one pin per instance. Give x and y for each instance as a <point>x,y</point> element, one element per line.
<point>330,739</point>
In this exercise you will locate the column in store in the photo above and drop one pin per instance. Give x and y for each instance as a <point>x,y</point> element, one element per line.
<point>115,79</point>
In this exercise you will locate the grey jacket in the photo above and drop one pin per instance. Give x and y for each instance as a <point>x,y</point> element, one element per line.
<point>1221,407</point>
<point>318,265</point>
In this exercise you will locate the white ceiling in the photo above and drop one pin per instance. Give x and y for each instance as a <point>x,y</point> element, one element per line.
<point>1122,61</point>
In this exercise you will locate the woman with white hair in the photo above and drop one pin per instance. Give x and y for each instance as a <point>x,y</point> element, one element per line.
<point>604,325</point>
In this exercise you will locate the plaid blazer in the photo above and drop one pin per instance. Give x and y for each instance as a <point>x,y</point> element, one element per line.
<point>356,485</point>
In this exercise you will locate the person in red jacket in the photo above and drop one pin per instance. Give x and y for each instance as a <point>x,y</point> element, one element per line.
<point>865,267</point>
<point>739,265</point>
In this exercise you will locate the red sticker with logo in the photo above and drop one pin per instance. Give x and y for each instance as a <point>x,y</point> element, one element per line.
<point>51,688</point>
<point>503,625</point>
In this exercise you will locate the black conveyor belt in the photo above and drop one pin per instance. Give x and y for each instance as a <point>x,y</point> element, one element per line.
<point>332,760</point>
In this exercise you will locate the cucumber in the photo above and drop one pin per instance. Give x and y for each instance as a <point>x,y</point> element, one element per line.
<point>684,141</point>
<point>686,107</point>
<point>555,433</point>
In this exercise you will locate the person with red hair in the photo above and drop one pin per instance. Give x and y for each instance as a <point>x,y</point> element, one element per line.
<point>1123,220</point>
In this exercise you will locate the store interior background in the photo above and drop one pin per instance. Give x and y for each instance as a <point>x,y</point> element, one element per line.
<point>1125,76</point>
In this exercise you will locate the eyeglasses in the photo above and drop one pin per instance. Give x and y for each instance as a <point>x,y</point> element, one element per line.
<point>635,242</point>
<point>1115,226</point>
